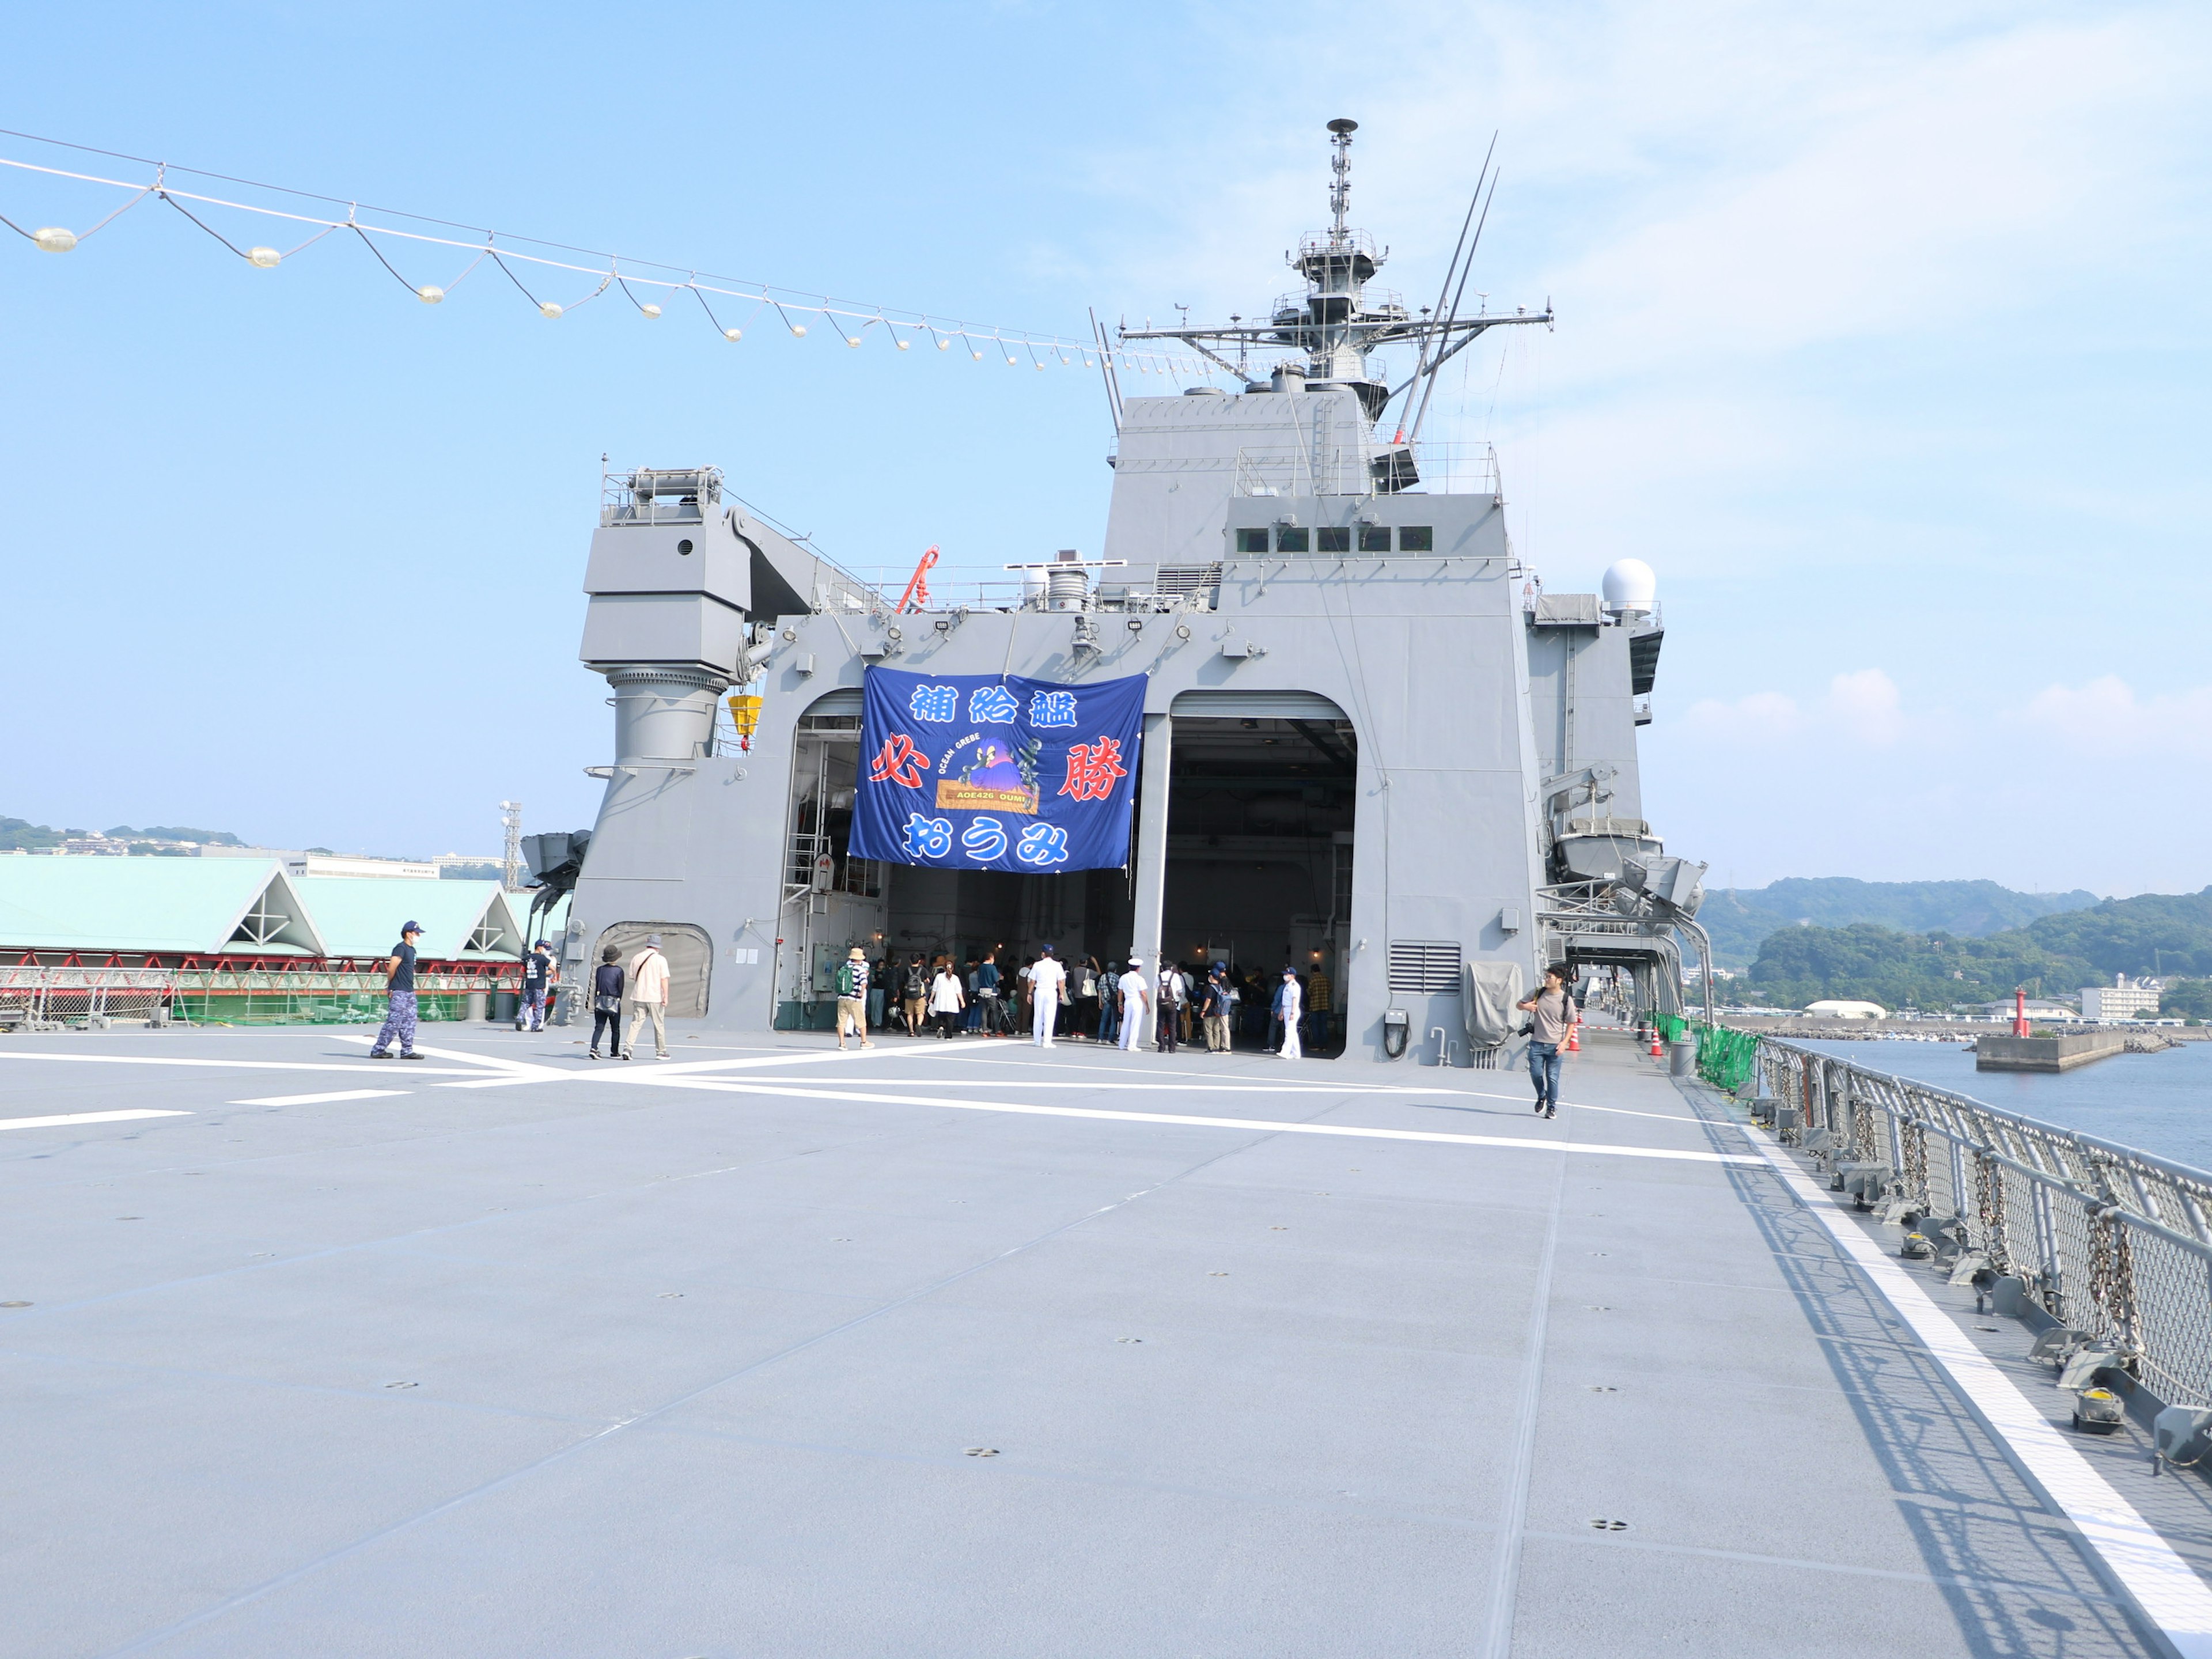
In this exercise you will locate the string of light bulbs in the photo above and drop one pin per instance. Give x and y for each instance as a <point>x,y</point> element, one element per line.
<point>650,294</point>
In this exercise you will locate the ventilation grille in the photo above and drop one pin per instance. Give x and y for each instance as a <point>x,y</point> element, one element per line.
<point>1427,965</point>
<point>1186,578</point>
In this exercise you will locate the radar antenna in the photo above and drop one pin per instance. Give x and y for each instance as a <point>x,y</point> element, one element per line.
<point>1340,193</point>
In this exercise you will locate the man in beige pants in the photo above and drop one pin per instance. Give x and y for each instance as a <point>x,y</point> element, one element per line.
<point>649,996</point>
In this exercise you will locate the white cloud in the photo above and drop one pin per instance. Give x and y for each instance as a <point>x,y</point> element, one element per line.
<point>2106,717</point>
<point>1863,707</point>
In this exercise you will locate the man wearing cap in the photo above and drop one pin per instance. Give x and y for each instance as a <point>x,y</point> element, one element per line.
<point>537,975</point>
<point>1289,1004</point>
<point>649,996</point>
<point>1134,1000</point>
<point>399,985</point>
<point>1048,990</point>
<point>853,997</point>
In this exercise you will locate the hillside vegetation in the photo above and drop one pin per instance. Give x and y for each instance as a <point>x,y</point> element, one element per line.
<point>1739,919</point>
<point>2053,955</point>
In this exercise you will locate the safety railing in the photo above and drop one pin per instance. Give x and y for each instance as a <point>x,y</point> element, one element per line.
<point>38,998</point>
<point>2111,1241</point>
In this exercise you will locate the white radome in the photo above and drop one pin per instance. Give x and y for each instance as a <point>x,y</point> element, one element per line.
<point>1630,585</point>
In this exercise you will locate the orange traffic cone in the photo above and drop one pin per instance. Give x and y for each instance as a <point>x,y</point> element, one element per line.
<point>1575,1038</point>
<point>1657,1052</point>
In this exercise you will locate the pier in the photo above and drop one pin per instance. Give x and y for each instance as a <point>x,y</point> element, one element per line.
<point>962,1348</point>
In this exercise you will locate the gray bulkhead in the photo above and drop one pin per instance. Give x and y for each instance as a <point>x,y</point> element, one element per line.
<point>1408,617</point>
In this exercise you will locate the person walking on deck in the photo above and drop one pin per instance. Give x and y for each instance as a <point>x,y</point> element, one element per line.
<point>1213,1009</point>
<point>399,988</point>
<point>648,998</point>
<point>1551,1014</point>
<point>1048,990</point>
<point>853,997</point>
<point>946,999</point>
<point>606,1003</point>
<point>537,979</point>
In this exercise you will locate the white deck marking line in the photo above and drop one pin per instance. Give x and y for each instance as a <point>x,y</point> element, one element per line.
<point>486,1064</point>
<point>354,1069</point>
<point>84,1117</point>
<point>809,1091</point>
<point>2164,1588</point>
<point>321,1100</point>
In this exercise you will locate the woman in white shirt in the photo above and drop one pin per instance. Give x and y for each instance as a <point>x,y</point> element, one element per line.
<point>946,999</point>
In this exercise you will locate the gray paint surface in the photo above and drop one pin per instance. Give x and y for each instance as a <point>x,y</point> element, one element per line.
<point>695,1372</point>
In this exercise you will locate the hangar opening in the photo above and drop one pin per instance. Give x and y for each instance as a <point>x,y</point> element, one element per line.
<point>1261,802</point>
<point>898,913</point>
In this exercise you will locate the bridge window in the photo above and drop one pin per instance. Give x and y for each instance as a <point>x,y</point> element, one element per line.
<point>1333,538</point>
<point>1290,538</point>
<point>1417,538</point>
<point>1251,541</point>
<point>1375,538</point>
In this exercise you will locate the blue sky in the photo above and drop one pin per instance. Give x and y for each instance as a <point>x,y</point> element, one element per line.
<point>1883,337</point>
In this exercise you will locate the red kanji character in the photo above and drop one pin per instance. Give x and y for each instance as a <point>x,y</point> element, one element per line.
<point>900,762</point>
<point>1092,768</point>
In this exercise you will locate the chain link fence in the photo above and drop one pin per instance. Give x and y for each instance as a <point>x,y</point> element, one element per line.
<point>2114,1242</point>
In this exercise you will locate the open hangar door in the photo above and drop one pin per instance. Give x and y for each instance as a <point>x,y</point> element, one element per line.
<point>1263,795</point>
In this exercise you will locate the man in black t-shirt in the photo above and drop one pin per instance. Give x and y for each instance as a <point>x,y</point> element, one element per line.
<point>399,983</point>
<point>537,980</point>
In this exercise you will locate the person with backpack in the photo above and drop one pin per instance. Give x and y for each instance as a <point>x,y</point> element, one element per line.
<point>606,1003</point>
<point>1174,992</point>
<point>1213,1009</point>
<point>914,996</point>
<point>853,997</point>
<point>1551,1014</point>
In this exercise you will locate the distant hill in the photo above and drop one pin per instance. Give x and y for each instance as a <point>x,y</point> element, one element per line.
<point>170,832</point>
<point>1738,918</point>
<point>2055,955</point>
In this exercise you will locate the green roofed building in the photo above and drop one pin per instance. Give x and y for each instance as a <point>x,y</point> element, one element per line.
<point>238,941</point>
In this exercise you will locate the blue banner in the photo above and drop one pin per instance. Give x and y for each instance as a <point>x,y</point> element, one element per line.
<point>996,772</point>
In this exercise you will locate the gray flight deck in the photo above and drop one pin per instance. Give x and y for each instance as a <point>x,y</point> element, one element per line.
<point>540,1358</point>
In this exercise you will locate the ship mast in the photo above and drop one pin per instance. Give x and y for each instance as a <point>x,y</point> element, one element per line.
<point>1337,324</point>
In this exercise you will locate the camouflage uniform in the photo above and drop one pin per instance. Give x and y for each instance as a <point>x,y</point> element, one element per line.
<point>399,1022</point>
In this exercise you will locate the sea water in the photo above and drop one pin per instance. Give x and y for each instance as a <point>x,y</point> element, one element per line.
<point>2160,1102</point>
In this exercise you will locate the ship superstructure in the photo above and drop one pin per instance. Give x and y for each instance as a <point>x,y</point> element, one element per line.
<point>1373,748</point>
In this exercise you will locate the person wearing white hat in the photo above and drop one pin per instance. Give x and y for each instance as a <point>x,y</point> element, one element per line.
<point>1048,990</point>
<point>853,997</point>
<point>1135,999</point>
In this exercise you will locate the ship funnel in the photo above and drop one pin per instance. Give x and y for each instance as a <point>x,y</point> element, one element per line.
<point>1290,377</point>
<point>1631,588</point>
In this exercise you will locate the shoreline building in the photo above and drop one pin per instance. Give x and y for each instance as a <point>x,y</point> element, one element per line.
<point>1370,744</point>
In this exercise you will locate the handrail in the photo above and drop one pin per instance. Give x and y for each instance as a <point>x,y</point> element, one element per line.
<point>2107,1238</point>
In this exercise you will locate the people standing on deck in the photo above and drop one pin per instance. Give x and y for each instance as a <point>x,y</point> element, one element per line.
<point>1551,1014</point>
<point>986,987</point>
<point>1290,1006</point>
<point>1321,1024</point>
<point>1173,994</point>
<point>648,998</point>
<point>946,999</point>
<point>1134,999</point>
<point>914,996</point>
<point>1048,990</point>
<point>853,997</point>
<point>1083,1014</point>
<point>879,986</point>
<point>537,976</point>
<point>606,1003</point>
<point>1110,1004</point>
<point>399,991</point>
<point>1213,1009</point>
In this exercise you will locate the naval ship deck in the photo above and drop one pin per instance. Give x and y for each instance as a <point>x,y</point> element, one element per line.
<point>956,1348</point>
